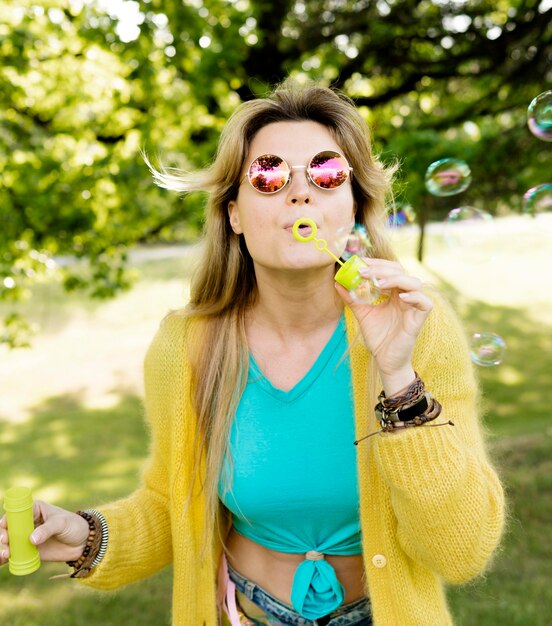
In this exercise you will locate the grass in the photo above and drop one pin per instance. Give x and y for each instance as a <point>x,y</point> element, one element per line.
<point>71,425</point>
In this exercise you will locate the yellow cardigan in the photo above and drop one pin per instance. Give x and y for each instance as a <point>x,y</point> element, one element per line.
<point>431,504</point>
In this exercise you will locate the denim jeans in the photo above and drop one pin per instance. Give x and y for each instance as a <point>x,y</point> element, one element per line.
<point>262,608</point>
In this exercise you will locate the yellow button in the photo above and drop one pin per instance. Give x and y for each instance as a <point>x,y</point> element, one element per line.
<point>379,561</point>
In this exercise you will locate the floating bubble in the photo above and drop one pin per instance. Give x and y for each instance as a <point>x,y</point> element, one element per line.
<point>447,177</point>
<point>538,199</point>
<point>356,244</point>
<point>353,241</point>
<point>487,349</point>
<point>368,292</point>
<point>401,216</point>
<point>470,233</point>
<point>539,116</point>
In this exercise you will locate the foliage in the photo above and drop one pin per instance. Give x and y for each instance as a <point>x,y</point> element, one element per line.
<point>85,84</point>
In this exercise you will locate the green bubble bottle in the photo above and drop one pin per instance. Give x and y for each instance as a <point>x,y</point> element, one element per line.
<point>24,556</point>
<point>362,290</point>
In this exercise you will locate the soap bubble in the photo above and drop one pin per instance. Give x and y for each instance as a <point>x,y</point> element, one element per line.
<point>447,177</point>
<point>539,116</point>
<point>368,292</point>
<point>487,349</point>
<point>401,226</point>
<point>538,199</point>
<point>400,216</point>
<point>353,241</point>
<point>470,233</point>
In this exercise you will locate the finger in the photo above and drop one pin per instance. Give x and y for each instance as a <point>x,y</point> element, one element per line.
<point>39,511</point>
<point>3,522</point>
<point>389,279</point>
<point>381,271</point>
<point>348,298</point>
<point>371,262</point>
<point>400,282</point>
<point>344,294</point>
<point>51,527</point>
<point>418,300</point>
<point>4,549</point>
<point>4,555</point>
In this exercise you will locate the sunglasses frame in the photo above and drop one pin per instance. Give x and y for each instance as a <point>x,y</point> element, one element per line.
<point>348,170</point>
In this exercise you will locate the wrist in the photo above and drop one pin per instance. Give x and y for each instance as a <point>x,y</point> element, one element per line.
<point>82,532</point>
<point>80,537</point>
<point>394,382</point>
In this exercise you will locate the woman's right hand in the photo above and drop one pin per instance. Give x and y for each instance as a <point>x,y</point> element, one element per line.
<point>60,535</point>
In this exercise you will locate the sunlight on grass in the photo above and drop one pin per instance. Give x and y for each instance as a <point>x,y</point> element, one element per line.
<point>513,276</point>
<point>106,400</point>
<point>52,493</point>
<point>510,376</point>
<point>64,603</point>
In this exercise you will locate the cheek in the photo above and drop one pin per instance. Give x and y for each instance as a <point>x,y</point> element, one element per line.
<point>346,206</point>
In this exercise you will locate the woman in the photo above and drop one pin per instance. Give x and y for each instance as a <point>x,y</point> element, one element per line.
<point>257,390</point>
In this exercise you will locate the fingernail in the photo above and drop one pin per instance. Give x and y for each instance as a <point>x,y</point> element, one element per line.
<point>36,537</point>
<point>405,296</point>
<point>3,555</point>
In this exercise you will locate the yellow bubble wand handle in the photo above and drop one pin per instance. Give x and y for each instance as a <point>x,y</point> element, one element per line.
<point>24,556</point>
<point>348,274</point>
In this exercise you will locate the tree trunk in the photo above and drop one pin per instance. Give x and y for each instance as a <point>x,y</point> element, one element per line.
<point>423,215</point>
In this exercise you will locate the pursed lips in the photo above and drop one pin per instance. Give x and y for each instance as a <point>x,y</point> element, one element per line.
<point>304,230</point>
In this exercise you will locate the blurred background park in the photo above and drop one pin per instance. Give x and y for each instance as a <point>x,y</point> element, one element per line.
<point>92,254</point>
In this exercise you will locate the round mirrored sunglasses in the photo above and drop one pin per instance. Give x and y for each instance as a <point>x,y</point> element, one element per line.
<point>270,173</point>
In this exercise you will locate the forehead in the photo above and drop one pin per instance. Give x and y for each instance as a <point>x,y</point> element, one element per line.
<point>296,142</point>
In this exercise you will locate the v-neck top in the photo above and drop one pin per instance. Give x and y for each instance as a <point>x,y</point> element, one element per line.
<point>293,475</point>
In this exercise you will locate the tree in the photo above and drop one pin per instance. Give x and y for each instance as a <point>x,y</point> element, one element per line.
<point>85,84</point>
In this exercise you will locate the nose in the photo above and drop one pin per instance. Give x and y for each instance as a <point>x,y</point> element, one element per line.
<point>299,189</point>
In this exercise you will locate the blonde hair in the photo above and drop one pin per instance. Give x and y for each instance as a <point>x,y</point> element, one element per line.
<point>224,285</point>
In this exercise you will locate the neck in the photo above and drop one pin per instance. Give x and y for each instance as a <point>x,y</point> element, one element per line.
<point>296,304</point>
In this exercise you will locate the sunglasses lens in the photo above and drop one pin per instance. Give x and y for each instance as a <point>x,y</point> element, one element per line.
<point>328,169</point>
<point>268,173</point>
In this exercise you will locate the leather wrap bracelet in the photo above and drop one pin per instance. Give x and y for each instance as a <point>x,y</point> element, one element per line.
<point>412,406</point>
<point>405,414</point>
<point>431,411</point>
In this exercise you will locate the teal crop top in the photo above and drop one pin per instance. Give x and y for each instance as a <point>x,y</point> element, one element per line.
<point>293,478</point>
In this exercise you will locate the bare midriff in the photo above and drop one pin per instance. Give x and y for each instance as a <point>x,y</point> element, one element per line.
<point>274,571</point>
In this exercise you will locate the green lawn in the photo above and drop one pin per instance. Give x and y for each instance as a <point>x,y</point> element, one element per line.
<point>71,425</point>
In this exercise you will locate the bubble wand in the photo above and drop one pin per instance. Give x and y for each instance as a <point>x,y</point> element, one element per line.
<point>24,556</point>
<point>362,290</point>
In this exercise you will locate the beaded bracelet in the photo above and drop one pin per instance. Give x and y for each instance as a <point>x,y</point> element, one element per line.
<point>96,544</point>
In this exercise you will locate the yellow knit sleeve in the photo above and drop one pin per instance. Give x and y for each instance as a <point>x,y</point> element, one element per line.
<point>139,526</point>
<point>445,494</point>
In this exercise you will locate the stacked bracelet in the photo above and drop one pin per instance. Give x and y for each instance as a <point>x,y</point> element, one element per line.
<point>406,396</point>
<point>96,544</point>
<point>412,406</point>
<point>424,410</point>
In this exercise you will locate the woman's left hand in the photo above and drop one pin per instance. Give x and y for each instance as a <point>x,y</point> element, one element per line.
<point>390,329</point>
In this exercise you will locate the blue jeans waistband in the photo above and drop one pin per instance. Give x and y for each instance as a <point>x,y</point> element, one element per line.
<point>356,613</point>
